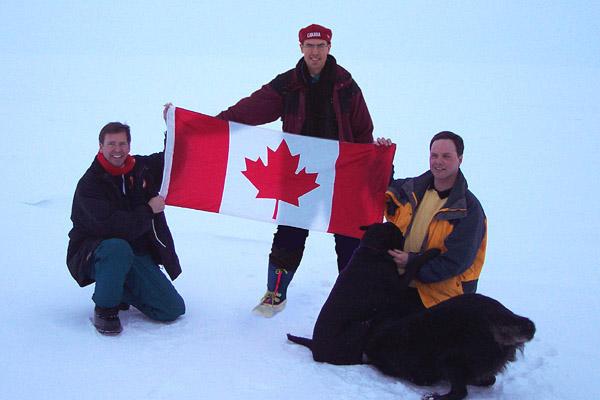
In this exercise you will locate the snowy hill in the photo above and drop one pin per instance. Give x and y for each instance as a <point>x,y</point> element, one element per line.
<point>520,82</point>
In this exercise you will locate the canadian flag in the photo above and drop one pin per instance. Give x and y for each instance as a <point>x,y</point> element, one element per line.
<point>260,174</point>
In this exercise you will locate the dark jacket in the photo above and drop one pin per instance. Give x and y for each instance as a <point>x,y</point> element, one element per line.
<point>101,211</point>
<point>458,229</point>
<point>285,97</point>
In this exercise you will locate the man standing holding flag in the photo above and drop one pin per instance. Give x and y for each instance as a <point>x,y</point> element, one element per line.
<point>316,98</point>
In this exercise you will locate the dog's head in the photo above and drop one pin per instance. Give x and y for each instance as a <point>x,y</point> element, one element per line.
<point>510,329</point>
<point>382,236</point>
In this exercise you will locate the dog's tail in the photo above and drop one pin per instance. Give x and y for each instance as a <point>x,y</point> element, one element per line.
<point>300,340</point>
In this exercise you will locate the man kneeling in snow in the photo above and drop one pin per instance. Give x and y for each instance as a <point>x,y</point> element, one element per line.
<point>436,210</point>
<point>120,234</point>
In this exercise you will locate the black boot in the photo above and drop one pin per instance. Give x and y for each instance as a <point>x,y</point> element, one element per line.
<point>106,320</point>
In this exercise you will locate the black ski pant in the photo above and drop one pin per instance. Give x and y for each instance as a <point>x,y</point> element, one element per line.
<point>288,247</point>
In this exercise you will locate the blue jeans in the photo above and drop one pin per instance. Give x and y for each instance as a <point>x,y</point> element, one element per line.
<point>124,277</point>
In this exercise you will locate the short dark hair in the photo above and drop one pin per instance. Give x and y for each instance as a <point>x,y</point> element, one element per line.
<point>114,127</point>
<point>458,142</point>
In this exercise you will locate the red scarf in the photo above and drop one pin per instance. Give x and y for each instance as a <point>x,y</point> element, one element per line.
<point>116,171</point>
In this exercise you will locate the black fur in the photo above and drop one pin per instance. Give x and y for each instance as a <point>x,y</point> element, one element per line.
<point>465,340</point>
<point>369,286</point>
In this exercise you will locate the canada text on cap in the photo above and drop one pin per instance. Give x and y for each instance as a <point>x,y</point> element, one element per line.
<point>315,31</point>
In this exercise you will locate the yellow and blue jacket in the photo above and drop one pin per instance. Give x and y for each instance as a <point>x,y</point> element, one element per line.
<point>458,229</point>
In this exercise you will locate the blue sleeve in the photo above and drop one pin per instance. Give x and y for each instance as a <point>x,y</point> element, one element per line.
<point>462,245</point>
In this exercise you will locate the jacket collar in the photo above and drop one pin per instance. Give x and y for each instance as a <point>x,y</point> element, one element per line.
<point>339,75</point>
<point>456,204</point>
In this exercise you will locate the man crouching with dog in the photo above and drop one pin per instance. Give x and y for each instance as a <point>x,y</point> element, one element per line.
<point>437,210</point>
<point>431,249</point>
<point>406,301</point>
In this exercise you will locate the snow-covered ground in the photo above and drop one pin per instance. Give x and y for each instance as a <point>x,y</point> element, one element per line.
<point>520,81</point>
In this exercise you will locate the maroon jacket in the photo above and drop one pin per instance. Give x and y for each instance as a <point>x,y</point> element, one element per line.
<point>285,97</point>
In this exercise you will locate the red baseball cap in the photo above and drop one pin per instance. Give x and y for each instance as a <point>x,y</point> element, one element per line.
<point>315,31</point>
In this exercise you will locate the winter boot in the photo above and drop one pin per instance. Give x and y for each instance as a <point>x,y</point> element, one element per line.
<point>278,280</point>
<point>106,320</point>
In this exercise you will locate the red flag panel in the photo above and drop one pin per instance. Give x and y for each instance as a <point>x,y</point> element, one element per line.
<point>199,162</point>
<point>362,174</point>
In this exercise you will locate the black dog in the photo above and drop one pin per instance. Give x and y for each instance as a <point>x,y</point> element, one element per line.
<point>467,339</point>
<point>368,287</point>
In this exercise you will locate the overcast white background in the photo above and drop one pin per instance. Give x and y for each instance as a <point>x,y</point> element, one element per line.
<point>519,80</point>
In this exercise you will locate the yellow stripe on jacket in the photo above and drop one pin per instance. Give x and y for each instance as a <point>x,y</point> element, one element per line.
<point>439,229</point>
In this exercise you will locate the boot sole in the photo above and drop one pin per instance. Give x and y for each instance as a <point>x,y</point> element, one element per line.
<point>105,332</point>
<point>108,333</point>
<point>267,310</point>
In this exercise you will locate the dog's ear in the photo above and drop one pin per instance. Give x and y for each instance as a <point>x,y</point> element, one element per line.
<point>364,227</point>
<point>396,238</point>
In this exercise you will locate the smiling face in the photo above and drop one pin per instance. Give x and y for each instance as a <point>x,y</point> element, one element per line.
<point>444,162</point>
<point>315,53</point>
<point>115,148</point>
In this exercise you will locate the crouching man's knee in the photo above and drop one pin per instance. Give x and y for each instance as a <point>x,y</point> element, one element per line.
<point>113,256</point>
<point>172,309</point>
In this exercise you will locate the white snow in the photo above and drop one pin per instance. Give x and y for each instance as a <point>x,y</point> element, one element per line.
<point>520,81</point>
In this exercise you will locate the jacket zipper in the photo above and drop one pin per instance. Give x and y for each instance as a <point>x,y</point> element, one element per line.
<point>156,235</point>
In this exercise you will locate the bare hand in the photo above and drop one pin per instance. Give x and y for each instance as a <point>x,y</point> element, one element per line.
<point>157,204</point>
<point>383,142</point>
<point>400,257</point>
<point>165,109</point>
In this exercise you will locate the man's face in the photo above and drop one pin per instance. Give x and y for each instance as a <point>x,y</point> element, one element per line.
<point>315,54</point>
<point>115,148</point>
<point>443,160</point>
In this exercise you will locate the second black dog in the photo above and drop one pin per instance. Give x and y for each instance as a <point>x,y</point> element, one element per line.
<point>467,339</point>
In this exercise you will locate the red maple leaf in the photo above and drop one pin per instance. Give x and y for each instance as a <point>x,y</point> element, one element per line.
<point>278,180</point>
